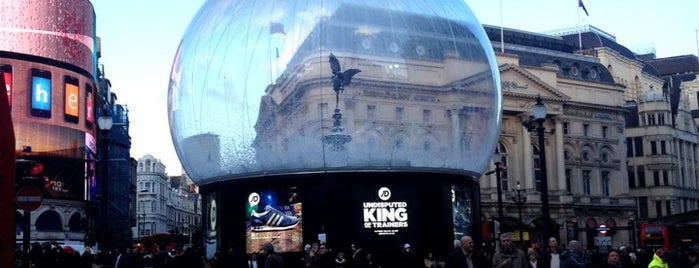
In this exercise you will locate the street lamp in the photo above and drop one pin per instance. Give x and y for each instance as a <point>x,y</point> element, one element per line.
<point>104,123</point>
<point>497,160</point>
<point>539,116</point>
<point>519,196</point>
<point>539,112</point>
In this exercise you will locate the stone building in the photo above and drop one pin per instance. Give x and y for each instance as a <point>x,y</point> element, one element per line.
<point>621,149</point>
<point>165,203</point>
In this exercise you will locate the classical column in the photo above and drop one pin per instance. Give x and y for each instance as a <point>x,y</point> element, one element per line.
<point>528,161</point>
<point>560,157</point>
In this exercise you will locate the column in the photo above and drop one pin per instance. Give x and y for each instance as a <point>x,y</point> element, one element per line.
<point>527,162</point>
<point>560,158</point>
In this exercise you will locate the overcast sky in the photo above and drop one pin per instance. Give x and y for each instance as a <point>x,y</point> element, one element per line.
<point>139,39</point>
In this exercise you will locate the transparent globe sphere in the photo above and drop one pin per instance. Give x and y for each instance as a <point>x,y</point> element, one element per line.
<point>281,87</point>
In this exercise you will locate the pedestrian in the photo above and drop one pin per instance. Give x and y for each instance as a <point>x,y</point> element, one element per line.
<point>574,257</point>
<point>464,256</point>
<point>612,260</point>
<point>272,260</point>
<point>509,256</point>
<point>693,257</point>
<point>533,258</point>
<point>551,255</point>
<point>660,258</point>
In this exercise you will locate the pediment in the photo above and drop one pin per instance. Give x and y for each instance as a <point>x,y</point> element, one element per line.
<point>518,82</point>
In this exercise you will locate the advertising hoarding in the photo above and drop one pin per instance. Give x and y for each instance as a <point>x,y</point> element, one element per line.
<point>275,216</point>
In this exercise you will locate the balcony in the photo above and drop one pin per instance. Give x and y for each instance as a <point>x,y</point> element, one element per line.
<point>660,161</point>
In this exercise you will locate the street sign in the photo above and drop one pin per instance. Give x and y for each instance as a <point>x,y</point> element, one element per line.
<point>603,240</point>
<point>28,198</point>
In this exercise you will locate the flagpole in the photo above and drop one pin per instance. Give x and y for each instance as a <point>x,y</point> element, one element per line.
<point>579,30</point>
<point>502,32</point>
<point>269,52</point>
<point>696,34</point>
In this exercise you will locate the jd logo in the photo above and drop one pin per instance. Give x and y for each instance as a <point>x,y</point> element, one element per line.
<point>384,193</point>
<point>254,199</point>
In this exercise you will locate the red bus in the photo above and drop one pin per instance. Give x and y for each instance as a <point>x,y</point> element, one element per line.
<point>152,242</point>
<point>654,236</point>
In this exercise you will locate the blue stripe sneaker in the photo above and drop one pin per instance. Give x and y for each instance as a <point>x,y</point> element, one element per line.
<point>271,220</point>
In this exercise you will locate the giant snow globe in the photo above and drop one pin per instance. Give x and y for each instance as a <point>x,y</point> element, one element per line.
<point>262,88</point>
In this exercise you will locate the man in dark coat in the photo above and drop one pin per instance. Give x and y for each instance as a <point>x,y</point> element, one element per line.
<point>464,256</point>
<point>272,260</point>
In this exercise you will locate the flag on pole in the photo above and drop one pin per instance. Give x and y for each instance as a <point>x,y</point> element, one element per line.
<point>276,27</point>
<point>580,4</point>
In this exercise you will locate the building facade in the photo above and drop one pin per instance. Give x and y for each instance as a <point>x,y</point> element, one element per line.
<point>51,82</point>
<point>164,203</point>
<point>620,149</point>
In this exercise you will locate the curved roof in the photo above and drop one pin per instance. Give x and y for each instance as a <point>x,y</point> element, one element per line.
<point>592,39</point>
<point>536,50</point>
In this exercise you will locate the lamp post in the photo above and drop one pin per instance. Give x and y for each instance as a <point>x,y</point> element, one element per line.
<point>519,196</point>
<point>539,113</point>
<point>497,160</point>
<point>104,123</point>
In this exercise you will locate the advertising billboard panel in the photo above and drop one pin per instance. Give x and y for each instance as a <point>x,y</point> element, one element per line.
<point>274,215</point>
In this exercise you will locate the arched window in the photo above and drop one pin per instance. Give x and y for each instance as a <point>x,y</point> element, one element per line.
<point>76,223</point>
<point>49,221</point>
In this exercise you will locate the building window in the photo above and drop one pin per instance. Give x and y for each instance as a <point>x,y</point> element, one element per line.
<point>663,150</point>
<point>566,154</point>
<point>565,127</point>
<point>537,168</point>
<point>426,116</point>
<point>643,207</point>
<point>586,129</point>
<point>605,183</point>
<point>656,178</point>
<point>653,150</point>
<point>661,119</point>
<point>586,156</point>
<point>640,172</point>
<point>504,177</point>
<point>586,182</point>
<point>629,147</point>
<point>665,178</point>
<point>323,107</point>
<point>658,209</point>
<point>651,119</point>
<point>638,146</point>
<point>604,132</point>
<point>631,176</point>
<point>569,180</point>
<point>371,112</point>
<point>399,114</point>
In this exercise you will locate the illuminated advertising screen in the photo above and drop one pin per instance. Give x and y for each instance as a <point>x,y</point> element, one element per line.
<point>274,215</point>
<point>461,210</point>
<point>7,73</point>
<point>41,93</point>
<point>211,233</point>
<point>89,106</point>
<point>58,177</point>
<point>71,101</point>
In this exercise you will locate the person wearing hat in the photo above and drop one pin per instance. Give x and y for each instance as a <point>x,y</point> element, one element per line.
<point>660,258</point>
<point>272,260</point>
<point>693,257</point>
<point>408,259</point>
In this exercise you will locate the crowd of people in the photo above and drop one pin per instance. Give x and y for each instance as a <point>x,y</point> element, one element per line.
<point>320,255</point>
<point>575,255</point>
